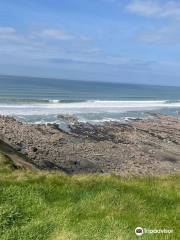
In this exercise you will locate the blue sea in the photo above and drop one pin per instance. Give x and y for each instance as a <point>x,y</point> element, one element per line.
<point>39,100</point>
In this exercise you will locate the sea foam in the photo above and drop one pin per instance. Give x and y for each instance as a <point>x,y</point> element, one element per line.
<point>96,106</point>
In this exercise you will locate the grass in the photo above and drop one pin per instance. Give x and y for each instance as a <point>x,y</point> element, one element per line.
<point>54,206</point>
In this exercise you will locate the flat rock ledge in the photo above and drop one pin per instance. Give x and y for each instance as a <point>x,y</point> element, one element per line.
<point>140,147</point>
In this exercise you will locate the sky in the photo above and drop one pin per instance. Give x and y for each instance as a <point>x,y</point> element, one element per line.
<point>130,41</point>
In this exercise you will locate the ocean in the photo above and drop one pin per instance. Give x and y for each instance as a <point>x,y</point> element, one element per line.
<point>38,100</point>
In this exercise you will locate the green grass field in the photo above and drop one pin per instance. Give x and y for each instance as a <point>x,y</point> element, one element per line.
<point>54,206</point>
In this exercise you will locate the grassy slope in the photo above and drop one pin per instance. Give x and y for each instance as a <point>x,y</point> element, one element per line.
<point>54,206</point>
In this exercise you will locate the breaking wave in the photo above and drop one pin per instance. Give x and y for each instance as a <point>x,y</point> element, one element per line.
<point>70,106</point>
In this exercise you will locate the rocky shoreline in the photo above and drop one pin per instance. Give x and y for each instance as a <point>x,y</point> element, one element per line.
<point>140,147</point>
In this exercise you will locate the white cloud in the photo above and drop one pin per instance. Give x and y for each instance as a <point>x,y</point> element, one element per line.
<point>55,34</point>
<point>9,35</point>
<point>159,9</point>
<point>44,44</point>
<point>147,8</point>
<point>167,35</point>
<point>7,31</point>
<point>152,8</point>
<point>85,38</point>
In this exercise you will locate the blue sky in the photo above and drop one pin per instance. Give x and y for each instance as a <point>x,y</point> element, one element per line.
<point>132,41</point>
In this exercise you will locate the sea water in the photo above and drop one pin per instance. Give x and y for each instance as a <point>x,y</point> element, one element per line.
<point>39,100</point>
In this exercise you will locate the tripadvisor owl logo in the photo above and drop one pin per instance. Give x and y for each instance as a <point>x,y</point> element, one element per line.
<point>139,231</point>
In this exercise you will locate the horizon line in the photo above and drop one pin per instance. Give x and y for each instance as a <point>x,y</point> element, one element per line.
<point>88,81</point>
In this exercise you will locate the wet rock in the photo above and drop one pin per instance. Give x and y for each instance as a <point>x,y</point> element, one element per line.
<point>68,118</point>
